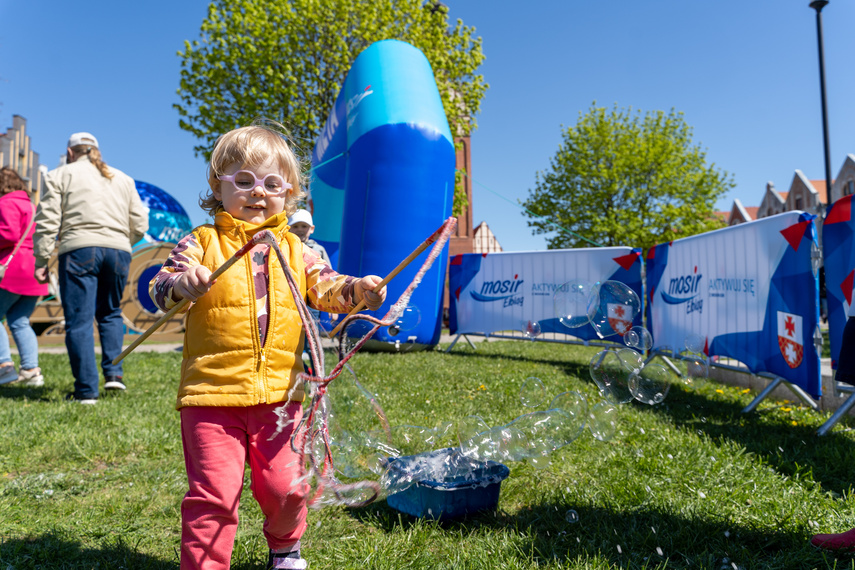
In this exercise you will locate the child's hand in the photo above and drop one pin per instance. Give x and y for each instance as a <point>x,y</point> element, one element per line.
<point>363,290</point>
<point>192,284</point>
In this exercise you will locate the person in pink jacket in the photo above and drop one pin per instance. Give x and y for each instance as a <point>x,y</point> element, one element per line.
<point>19,290</point>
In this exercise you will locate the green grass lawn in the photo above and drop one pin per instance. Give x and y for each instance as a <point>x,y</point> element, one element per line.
<point>689,483</point>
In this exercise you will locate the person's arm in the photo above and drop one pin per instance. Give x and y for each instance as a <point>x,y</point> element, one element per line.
<point>137,216</point>
<point>335,293</point>
<point>11,222</point>
<point>182,275</point>
<point>48,219</point>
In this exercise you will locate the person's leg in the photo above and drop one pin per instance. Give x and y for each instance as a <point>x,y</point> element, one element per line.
<point>7,368</point>
<point>108,311</point>
<point>18,317</point>
<point>78,285</point>
<point>277,472</point>
<point>7,299</point>
<point>214,442</point>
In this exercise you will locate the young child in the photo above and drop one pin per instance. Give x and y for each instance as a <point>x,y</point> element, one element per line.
<point>242,346</point>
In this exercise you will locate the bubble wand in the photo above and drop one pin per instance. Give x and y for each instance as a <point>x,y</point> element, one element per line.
<point>424,245</point>
<point>313,429</point>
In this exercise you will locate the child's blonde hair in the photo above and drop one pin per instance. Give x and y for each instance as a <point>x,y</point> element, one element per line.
<point>252,146</point>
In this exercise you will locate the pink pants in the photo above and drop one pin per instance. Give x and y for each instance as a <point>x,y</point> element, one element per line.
<point>217,444</point>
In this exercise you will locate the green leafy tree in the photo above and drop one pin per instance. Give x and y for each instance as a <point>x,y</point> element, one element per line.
<point>287,61</point>
<point>624,178</point>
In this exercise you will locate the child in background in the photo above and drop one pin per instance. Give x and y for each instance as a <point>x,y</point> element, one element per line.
<point>241,349</point>
<point>843,542</point>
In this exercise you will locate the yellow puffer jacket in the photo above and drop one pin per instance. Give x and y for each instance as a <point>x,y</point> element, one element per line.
<point>224,362</point>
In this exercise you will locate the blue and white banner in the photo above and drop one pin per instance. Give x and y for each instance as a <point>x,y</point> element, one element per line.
<point>505,291</point>
<point>838,251</point>
<point>750,290</point>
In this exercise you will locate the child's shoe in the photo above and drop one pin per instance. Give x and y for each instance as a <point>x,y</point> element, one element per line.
<point>32,378</point>
<point>8,374</point>
<point>843,542</point>
<point>286,560</point>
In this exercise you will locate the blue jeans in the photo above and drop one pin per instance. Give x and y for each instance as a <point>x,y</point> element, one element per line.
<point>17,310</point>
<point>91,282</point>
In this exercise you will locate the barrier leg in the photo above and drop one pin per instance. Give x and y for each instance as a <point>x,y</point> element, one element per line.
<point>835,417</point>
<point>762,395</point>
<point>803,396</point>
<point>450,346</point>
<point>671,366</point>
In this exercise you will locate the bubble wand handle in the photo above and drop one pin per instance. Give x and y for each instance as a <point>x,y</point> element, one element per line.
<point>424,245</point>
<point>256,239</point>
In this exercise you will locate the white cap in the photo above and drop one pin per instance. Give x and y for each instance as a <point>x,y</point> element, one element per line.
<point>78,139</point>
<point>301,216</point>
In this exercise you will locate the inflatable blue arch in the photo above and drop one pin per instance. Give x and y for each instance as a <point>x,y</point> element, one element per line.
<point>383,181</point>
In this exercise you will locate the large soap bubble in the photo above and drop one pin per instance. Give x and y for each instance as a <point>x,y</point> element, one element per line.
<point>532,392</point>
<point>573,301</point>
<point>697,370</point>
<point>602,421</point>
<point>408,320</point>
<point>696,343</point>
<point>650,384</point>
<point>617,308</point>
<point>610,375</point>
<point>638,338</point>
<point>574,407</point>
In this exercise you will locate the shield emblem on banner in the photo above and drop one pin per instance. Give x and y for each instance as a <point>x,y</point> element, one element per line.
<point>790,339</point>
<point>619,317</point>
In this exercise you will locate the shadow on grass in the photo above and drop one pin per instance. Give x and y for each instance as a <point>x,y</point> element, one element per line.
<point>793,450</point>
<point>58,550</point>
<point>641,538</point>
<point>15,392</point>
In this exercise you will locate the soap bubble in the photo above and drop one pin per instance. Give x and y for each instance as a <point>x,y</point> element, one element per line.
<point>413,438</point>
<point>572,302</point>
<point>540,461</point>
<point>475,438</point>
<point>610,375</point>
<point>446,435</point>
<point>511,443</point>
<point>546,430</point>
<point>650,385</point>
<point>630,360</point>
<point>617,308</point>
<point>695,343</point>
<point>571,516</point>
<point>409,319</point>
<point>697,370</point>
<point>638,337</point>
<point>574,406</point>
<point>531,329</point>
<point>532,392</point>
<point>602,421</point>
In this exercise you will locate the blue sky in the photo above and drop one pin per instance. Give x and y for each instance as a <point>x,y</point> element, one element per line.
<point>745,75</point>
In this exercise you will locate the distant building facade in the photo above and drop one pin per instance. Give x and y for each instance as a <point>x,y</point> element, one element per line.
<point>17,153</point>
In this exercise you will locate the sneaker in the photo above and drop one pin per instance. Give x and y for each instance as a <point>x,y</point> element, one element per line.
<point>286,560</point>
<point>114,383</point>
<point>72,397</point>
<point>32,378</point>
<point>843,542</point>
<point>8,374</point>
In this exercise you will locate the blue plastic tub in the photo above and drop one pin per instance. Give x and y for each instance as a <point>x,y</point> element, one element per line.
<point>451,498</point>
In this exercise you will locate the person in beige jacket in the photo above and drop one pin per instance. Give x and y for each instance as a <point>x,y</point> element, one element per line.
<point>94,213</point>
